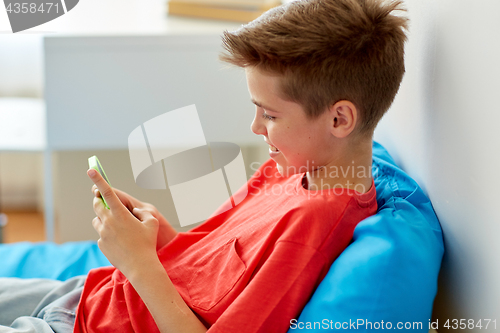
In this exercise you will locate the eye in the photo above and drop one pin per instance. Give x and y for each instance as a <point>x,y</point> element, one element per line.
<point>267,117</point>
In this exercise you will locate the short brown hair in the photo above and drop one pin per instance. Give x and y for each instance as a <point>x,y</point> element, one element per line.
<point>327,51</point>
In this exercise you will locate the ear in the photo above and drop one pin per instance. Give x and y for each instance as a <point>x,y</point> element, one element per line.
<point>344,116</point>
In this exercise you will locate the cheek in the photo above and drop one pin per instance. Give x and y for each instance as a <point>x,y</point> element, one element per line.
<point>277,135</point>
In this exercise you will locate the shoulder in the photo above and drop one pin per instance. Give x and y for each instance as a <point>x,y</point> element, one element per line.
<point>308,220</point>
<point>317,205</point>
<point>315,219</point>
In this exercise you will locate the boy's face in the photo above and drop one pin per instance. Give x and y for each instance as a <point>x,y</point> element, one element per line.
<point>296,143</point>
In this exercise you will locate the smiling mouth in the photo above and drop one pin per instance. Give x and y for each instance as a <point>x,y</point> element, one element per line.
<point>273,148</point>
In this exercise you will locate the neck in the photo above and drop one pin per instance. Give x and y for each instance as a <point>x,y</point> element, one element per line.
<point>352,170</point>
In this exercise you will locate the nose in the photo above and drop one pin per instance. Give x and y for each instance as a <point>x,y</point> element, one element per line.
<point>258,126</point>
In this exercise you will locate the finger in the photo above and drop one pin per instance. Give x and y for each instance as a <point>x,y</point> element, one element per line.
<point>105,190</point>
<point>99,208</point>
<point>124,198</point>
<point>95,191</point>
<point>97,224</point>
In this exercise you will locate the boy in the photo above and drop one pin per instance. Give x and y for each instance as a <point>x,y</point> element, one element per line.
<point>321,74</point>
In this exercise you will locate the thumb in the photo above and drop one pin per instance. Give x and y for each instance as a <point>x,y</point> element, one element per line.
<point>146,218</point>
<point>142,214</point>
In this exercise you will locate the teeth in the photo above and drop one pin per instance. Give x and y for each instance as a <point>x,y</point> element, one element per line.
<point>273,148</point>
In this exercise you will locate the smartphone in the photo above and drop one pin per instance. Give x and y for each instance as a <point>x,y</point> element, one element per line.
<point>96,165</point>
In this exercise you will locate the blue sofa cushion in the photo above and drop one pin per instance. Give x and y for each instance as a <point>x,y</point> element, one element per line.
<point>50,260</point>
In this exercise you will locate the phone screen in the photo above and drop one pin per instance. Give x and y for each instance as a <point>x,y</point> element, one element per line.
<point>96,165</point>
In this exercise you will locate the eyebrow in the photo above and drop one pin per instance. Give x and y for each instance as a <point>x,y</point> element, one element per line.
<point>261,106</point>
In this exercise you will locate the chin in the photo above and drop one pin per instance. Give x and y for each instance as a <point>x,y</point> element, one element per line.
<point>280,169</point>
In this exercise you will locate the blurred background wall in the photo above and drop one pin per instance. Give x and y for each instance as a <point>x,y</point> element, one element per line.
<point>443,130</point>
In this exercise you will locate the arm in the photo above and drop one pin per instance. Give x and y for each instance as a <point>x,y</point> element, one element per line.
<point>130,245</point>
<point>165,233</point>
<point>167,307</point>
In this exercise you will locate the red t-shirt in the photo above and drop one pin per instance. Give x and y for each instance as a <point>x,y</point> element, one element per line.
<point>250,269</point>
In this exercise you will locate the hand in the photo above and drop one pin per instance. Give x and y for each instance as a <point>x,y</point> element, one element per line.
<point>166,232</point>
<point>127,240</point>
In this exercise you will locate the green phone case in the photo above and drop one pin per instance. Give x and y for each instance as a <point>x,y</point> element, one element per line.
<point>96,165</point>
